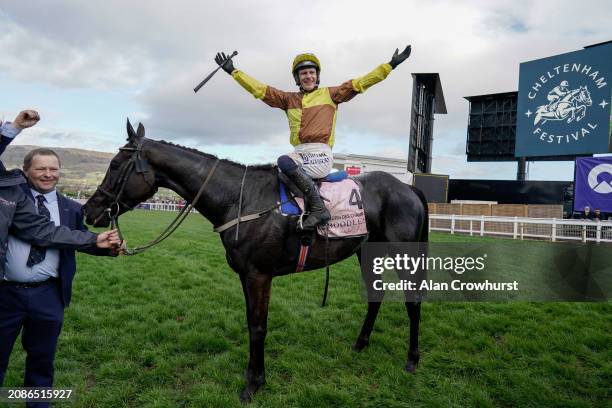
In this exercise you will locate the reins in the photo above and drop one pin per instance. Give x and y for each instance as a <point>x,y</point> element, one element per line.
<point>240,202</point>
<point>139,163</point>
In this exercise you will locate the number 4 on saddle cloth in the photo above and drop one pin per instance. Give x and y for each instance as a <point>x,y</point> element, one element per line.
<point>342,197</point>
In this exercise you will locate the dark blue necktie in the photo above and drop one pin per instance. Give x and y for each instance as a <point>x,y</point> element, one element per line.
<point>37,254</point>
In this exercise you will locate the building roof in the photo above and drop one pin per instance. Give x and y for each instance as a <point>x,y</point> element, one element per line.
<point>341,156</point>
<point>491,96</point>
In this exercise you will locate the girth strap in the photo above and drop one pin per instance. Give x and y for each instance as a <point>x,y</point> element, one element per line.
<point>235,221</point>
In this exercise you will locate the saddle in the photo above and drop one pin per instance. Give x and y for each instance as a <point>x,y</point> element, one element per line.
<point>285,182</point>
<point>342,197</point>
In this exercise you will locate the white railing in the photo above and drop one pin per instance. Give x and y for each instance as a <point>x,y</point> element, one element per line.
<point>553,229</point>
<point>161,207</point>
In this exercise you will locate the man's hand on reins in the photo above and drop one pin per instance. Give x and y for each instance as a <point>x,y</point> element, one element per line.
<point>121,249</point>
<point>108,239</point>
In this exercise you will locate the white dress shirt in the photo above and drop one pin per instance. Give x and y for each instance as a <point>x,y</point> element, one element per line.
<point>16,268</point>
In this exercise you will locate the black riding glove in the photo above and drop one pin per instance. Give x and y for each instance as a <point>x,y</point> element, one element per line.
<point>398,57</point>
<point>225,62</point>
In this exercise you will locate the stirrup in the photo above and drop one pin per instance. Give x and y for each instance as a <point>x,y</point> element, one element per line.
<point>320,222</point>
<point>300,223</point>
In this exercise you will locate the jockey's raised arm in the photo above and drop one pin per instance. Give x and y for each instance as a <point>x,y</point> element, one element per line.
<point>311,113</point>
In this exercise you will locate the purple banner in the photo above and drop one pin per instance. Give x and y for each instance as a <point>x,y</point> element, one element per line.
<point>593,186</point>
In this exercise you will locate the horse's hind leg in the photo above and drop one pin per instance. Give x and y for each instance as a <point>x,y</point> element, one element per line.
<point>373,307</point>
<point>256,289</point>
<point>414,314</point>
<point>413,305</point>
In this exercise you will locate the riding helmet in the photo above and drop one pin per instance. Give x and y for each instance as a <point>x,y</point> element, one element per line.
<point>306,60</point>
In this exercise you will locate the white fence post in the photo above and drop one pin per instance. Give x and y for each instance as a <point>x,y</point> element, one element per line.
<point>482,225</point>
<point>598,234</point>
<point>471,230</point>
<point>584,233</point>
<point>553,235</point>
<point>452,224</point>
<point>515,229</point>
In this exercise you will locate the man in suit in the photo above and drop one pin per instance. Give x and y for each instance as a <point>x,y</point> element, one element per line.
<point>37,282</point>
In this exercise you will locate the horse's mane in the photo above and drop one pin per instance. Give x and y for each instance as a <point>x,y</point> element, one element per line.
<point>266,167</point>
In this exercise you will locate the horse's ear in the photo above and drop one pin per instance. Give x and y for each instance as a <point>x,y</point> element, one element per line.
<point>140,132</point>
<point>132,136</point>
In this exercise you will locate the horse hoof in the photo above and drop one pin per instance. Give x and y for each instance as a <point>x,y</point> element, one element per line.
<point>360,345</point>
<point>246,396</point>
<point>411,367</point>
<point>254,383</point>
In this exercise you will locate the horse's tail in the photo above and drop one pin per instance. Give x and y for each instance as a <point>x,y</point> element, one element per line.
<point>424,233</point>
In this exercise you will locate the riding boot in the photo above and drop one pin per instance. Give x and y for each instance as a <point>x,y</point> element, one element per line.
<point>318,213</point>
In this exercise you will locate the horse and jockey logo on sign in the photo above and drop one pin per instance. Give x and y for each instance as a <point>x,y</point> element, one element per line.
<point>564,104</point>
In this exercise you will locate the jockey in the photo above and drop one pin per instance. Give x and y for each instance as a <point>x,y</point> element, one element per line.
<point>555,95</point>
<point>311,113</point>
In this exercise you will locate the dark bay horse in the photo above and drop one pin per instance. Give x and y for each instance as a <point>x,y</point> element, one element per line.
<point>267,246</point>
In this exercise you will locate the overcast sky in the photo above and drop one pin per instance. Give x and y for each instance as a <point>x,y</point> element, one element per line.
<point>87,65</point>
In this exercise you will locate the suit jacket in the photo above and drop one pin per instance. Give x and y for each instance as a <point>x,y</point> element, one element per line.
<point>71,216</point>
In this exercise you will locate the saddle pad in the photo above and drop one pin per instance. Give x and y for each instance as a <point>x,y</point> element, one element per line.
<point>343,200</point>
<point>335,177</point>
<point>289,206</point>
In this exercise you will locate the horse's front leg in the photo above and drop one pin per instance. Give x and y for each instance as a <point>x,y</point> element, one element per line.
<point>581,113</point>
<point>572,114</point>
<point>256,287</point>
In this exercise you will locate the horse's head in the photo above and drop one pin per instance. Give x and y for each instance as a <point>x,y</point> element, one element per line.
<point>129,180</point>
<point>584,96</point>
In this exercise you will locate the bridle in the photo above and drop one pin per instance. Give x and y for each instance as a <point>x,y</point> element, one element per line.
<point>139,164</point>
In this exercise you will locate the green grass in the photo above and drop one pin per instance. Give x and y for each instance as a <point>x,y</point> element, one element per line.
<point>167,329</point>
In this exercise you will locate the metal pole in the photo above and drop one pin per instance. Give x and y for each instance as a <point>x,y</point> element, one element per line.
<point>521,168</point>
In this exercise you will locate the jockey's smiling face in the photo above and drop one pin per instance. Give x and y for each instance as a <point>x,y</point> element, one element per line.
<point>308,79</point>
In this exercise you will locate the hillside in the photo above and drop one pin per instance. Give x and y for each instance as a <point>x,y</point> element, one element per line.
<point>81,169</point>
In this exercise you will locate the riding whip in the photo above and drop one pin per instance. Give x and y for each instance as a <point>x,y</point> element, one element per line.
<point>201,84</point>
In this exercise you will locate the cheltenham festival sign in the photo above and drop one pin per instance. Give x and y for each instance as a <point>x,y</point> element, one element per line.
<point>564,104</point>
